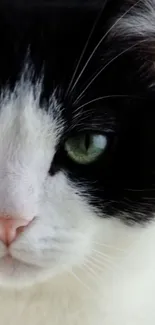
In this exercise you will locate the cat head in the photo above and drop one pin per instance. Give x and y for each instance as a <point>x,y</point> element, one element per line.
<point>76,131</point>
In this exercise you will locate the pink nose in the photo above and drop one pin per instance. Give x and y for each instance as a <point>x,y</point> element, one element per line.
<point>10,228</point>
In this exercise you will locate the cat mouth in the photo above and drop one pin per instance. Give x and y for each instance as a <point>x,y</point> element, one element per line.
<point>14,272</point>
<point>11,263</point>
<point>10,260</point>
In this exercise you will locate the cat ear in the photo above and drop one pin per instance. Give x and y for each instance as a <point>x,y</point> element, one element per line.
<point>136,19</point>
<point>135,27</point>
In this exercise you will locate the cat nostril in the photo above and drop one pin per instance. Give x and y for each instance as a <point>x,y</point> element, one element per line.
<point>10,228</point>
<point>21,229</point>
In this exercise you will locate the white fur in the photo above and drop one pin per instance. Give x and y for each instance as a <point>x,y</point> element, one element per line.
<point>84,270</point>
<point>121,292</point>
<point>139,20</point>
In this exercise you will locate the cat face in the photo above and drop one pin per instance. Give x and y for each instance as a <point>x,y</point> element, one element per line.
<point>77,130</point>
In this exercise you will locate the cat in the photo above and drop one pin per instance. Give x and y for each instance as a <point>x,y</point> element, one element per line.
<point>77,163</point>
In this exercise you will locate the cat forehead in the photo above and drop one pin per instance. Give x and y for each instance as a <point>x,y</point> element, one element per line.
<point>139,20</point>
<point>22,119</point>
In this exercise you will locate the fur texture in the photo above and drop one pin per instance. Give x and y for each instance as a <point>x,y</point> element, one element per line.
<point>71,68</point>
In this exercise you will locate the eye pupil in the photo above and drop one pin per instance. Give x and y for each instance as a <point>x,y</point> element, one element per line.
<point>87,141</point>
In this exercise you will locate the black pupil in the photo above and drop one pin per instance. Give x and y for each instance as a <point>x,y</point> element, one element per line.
<point>87,141</point>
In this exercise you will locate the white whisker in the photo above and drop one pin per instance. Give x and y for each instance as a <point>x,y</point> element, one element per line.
<point>80,281</point>
<point>110,247</point>
<point>102,255</point>
<point>85,48</point>
<point>102,268</point>
<point>100,98</point>
<point>100,42</point>
<point>92,272</point>
<point>106,65</point>
<point>106,265</point>
<point>96,266</point>
<point>101,260</point>
<point>98,253</point>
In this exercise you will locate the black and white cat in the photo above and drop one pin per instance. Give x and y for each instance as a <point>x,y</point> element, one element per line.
<point>77,162</point>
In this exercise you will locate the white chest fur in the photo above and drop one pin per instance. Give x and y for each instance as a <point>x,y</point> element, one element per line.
<point>60,301</point>
<point>121,300</point>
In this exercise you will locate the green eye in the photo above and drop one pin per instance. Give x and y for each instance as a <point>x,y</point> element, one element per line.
<point>85,149</point>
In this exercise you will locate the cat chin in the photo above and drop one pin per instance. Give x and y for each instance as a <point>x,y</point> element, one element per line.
<point>17,274</point>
